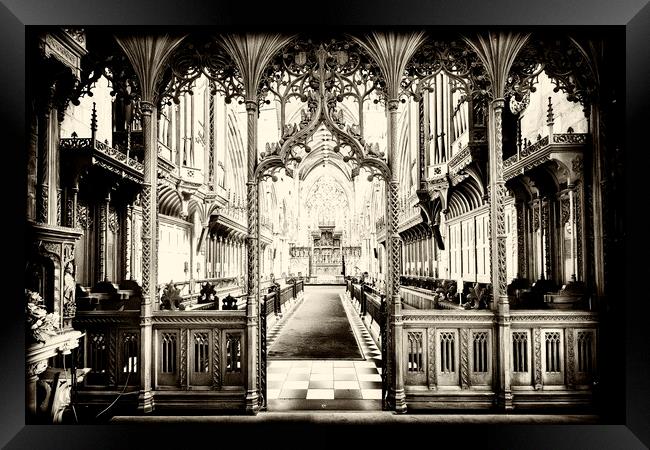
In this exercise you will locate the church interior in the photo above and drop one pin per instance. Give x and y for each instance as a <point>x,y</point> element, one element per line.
<point>390,221</point>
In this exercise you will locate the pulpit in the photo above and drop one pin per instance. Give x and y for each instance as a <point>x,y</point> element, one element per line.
<point>50,287</point>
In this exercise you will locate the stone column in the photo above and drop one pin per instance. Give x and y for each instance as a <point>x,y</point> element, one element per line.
<point>133,245</point>
<point>148,55</point>
<point>226,257</point>
<point>213,255</point>
<point>574,230</point>
<point>427,248</point>
<point>43,187</point>
<point>408,256</point>
<point>396,393</point>
<point>72,220</point>
<point>598,182</point>
<point>422,257</point>
<point>242,265</point>
<point>546,238</point>
<point>219,256</point>
<point>539,238</point>
<point>498,251</point>
<point>232,265</point>
<point>128,221</point>
<point>231,258</point>
<point>253,250</point>
<point>149,253</point>
<point>414,254</point>
<point>103,237</point>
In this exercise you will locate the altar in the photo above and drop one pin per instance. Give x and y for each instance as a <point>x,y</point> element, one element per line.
<point>326,261</point>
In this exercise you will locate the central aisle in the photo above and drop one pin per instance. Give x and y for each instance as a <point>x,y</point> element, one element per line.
<point>318,329</point>
<point>344,377</point>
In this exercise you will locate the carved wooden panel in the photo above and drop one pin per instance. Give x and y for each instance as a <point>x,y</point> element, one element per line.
<point>167,357</point>
<point>200,355</point>
<point>97,357</point>
<point>216,359</point>
<point>552,346</point>
<point>448,357</point>
<point>128,357</point>
<point>521,374</point>
<point>233,357</point>
<point>537,358</point>
<point>183,359</point>
<point>570,357</point>
<point>585,356</point>
<point>481,355</point>
<point>432,378</point>
<point>464,358</point>
<point>415,355</point>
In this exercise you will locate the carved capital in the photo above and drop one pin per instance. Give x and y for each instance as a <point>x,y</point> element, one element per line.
<point>498,103</point>
<point>146,108</point>
<point>393,104</point>
<point>251,105</point>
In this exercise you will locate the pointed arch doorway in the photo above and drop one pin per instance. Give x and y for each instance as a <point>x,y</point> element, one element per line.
<point>313,84</point>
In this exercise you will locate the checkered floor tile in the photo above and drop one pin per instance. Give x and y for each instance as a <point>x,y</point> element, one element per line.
<point>323,380</point>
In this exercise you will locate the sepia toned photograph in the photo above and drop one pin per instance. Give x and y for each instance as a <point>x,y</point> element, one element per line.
<point>345,225</point>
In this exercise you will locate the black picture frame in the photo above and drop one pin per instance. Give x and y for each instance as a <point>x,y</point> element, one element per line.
<point>633,15</point>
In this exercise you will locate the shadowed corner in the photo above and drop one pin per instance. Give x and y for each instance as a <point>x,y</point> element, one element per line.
<point>12,383</point>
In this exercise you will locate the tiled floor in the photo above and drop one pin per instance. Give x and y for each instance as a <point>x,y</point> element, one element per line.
<point>327,384</point>
<point>323,379</point>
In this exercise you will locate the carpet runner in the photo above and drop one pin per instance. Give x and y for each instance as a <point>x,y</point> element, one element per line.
<point>319,329</point>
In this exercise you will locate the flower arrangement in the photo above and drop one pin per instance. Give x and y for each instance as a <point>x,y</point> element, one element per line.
<point>40,323</point>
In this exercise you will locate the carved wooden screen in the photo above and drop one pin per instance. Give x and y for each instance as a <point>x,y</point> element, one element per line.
<point>415,352</point>
<point>521,358</point>
<point>233,354</point>
<point>200,357</point>
<point>113,246</point>
<point>96,351</point>
<point>129,357</point>
<point>168,358</point>
<point>86,247</point>
<point>553,357</point>
<point>480,357</point>
<point>447,357</point>
<point>585,356</point>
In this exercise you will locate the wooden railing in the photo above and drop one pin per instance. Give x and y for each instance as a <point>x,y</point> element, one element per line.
<point>275,301</point>
<point>368,302</point>
<point>204,352</point>
<point>111,349</point>
<point>199,358</point>
<point>199,355</point>
<point>450,358</point>
<point>553,350</point>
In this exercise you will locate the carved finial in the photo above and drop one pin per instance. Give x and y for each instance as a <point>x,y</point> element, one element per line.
<point>549,113</point>
<point>93,122</point>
